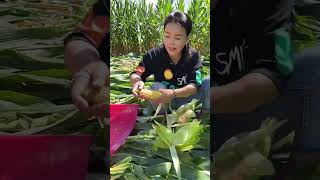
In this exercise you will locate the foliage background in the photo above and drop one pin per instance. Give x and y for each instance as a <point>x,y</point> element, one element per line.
<point>34,84</point>
<point>137,26</point>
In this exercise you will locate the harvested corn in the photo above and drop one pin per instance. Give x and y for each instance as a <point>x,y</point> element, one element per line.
<point>150,94</point>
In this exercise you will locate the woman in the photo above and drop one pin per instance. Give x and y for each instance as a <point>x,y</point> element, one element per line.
<point>175,65</point>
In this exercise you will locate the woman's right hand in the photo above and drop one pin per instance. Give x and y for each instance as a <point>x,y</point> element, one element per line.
<point>89,72</point>
<point>136,87</point>
<point>93,77</point>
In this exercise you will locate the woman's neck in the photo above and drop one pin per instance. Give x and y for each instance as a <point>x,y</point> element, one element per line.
<point>176,58</point>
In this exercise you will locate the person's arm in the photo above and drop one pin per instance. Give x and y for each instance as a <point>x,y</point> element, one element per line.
<point>81,46</point>
<point>185,91</point>
<point>140,74</point>
<point>78,54</point>
<point>243,95</point>
<point>82,57</point>
<point>82,60</point>
<point>134,78</point>
<point>270,47</point>
<point>194,82</point>
<point>170,94</point>
<point>136,83</point>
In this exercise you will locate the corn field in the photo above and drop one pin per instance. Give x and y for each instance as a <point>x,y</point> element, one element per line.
<point>138,26</point>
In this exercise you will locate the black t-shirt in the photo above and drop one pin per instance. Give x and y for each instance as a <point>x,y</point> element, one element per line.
<point>158,62</point>
<point>251,36</point>
<point>95,29</point>
<point>101,8</point>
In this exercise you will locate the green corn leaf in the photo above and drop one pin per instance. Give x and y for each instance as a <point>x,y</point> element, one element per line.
<point>175,160</point>
<point>161,169</point>
<point>256,164</point>
<point>188,136</point>
<point>165,134</point>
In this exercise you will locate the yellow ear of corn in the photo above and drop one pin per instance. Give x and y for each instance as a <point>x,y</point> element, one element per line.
<point>94,97</point>
<point>150,94</point>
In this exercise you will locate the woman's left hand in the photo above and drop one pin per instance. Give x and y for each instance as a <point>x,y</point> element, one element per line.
<point>166,97</point>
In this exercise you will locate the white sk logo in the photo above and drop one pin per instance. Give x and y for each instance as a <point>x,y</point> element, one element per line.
<point>182,80</point>
<point>234,55</point>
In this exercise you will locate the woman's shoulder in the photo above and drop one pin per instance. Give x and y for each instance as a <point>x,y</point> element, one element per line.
<point>193,53</point>
<point>156,52</point>
<point>194,58</point>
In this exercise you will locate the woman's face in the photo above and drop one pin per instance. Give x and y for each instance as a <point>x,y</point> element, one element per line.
<point>174,38</point>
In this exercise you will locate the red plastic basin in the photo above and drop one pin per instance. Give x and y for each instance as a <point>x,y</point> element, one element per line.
<point>122,120</point>
<point>43,157</point>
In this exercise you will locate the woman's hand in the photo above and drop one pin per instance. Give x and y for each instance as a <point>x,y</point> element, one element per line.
<point>166,97</point>
<point>89,73</point>
<point>92,77</point>
<point>136,87</point>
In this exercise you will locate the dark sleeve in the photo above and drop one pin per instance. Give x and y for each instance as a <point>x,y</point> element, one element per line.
<point>104,50</point>
<point>101,8</point>
<point>144,68</point>
<point>95,26</point>
<point>194,75</point>
<point>270,46</point>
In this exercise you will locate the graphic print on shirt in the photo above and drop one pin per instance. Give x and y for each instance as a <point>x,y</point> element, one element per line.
<point>168,75</point>
<point>140,70</point>
<point>231,57</point>
<point>182,80</point>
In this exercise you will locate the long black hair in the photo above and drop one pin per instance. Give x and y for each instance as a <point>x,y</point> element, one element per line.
<point>180,18</point>
<point>185,21</point>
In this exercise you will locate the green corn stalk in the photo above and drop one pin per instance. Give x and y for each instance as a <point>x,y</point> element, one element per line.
<point>137,26</point>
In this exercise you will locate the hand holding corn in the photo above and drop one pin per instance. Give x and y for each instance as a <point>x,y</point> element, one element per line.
<point>166,97</point>
<point>97,100</point>
<point>148,94</point>
<point>139,91</point>
<point>138,85</point>
<point>93,76</point>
